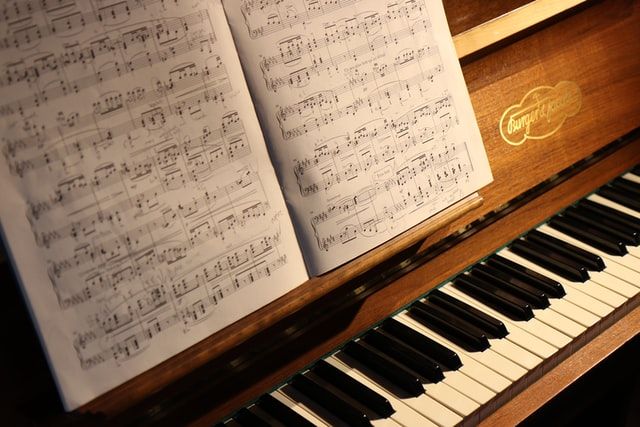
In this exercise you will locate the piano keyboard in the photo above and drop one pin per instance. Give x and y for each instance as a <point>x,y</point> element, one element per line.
<point>445,359</point>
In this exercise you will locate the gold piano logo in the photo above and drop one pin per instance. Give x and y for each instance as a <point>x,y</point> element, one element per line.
<point>541,112</point>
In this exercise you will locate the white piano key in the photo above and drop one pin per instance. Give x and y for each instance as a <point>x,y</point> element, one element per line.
<point>613,283</point>
<point>619,267</point>
<point>489,358</point>
<point>613,205</point>
<point>403,414</point>
<point>600,293</point>
<point>532,335</point>
<point>622,267</point>
<point>468,386</point>
<point>631,177</point>
<point>515,353</point>
<point>299,408</point>
<point>470,366</point>
<point>554,317</point>
<point>584,308</point>
<point>384,422</point>
<point>431,409</point>
<point>634,251</point>
<point>451,398</point>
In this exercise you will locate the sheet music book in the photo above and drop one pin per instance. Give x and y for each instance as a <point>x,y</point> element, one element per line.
<point>170,166</point>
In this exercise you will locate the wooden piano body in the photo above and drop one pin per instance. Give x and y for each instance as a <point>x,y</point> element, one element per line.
<point>595,45</point>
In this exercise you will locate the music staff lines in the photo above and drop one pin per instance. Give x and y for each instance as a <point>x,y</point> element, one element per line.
<point>281,19</point>
<point>186,77</point>
<point>70,22</point>
<point>293,48</point>
<point>143,202</point>
<point>316,105</point>
<point>152,119</point>
<point>135,251</point>
<point>76,54</point>
<point>305,75</point>
<point>20,9</point>
<point>355,82</point>
<point>413,185</point>
<point>209,152</point>
<point>283,14</point>
<point>342,159</point>
<point>117,267</point>
<point>213,281</point>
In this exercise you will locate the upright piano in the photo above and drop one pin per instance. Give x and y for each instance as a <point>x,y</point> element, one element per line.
<point>554,85</point>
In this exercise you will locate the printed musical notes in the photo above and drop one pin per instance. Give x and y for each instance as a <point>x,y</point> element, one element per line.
<point>422,182</point>
<point>141,202</point>
<point>367,115</point>
<point>375,144</point>
<point>193,297</point>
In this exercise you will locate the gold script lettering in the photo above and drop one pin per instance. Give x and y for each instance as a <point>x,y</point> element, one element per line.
<point>540,113</point>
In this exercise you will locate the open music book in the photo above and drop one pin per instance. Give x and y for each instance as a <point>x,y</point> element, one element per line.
<point>142,207</point>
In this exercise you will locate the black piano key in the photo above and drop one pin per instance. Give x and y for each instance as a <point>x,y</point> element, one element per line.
<point>505,303</point>
<point>405,355</point>
<point>328,400</point>
<point>625,198</point>
<point>552,288</point>
<point>625,190</point>
<point>455,329</point>
<point>393,373</point>
<point>592,261</point>
<point>636,170</point>
<point>581,231</point>
<point>628,237</point>
<point>627,185</point>
<point>351,387</point>
<point>247,418</point>
<point>610,213</point>
<point>446,357</point>
<point>490,325</point>
<point>551,260</point>
<point>500,275</point>
<point>528,293</point>
<point>632,231</point>
<point>282,412</point>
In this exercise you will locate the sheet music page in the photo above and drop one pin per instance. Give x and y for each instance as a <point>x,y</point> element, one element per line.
<point>139,203</point>
<point>366,114</point>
